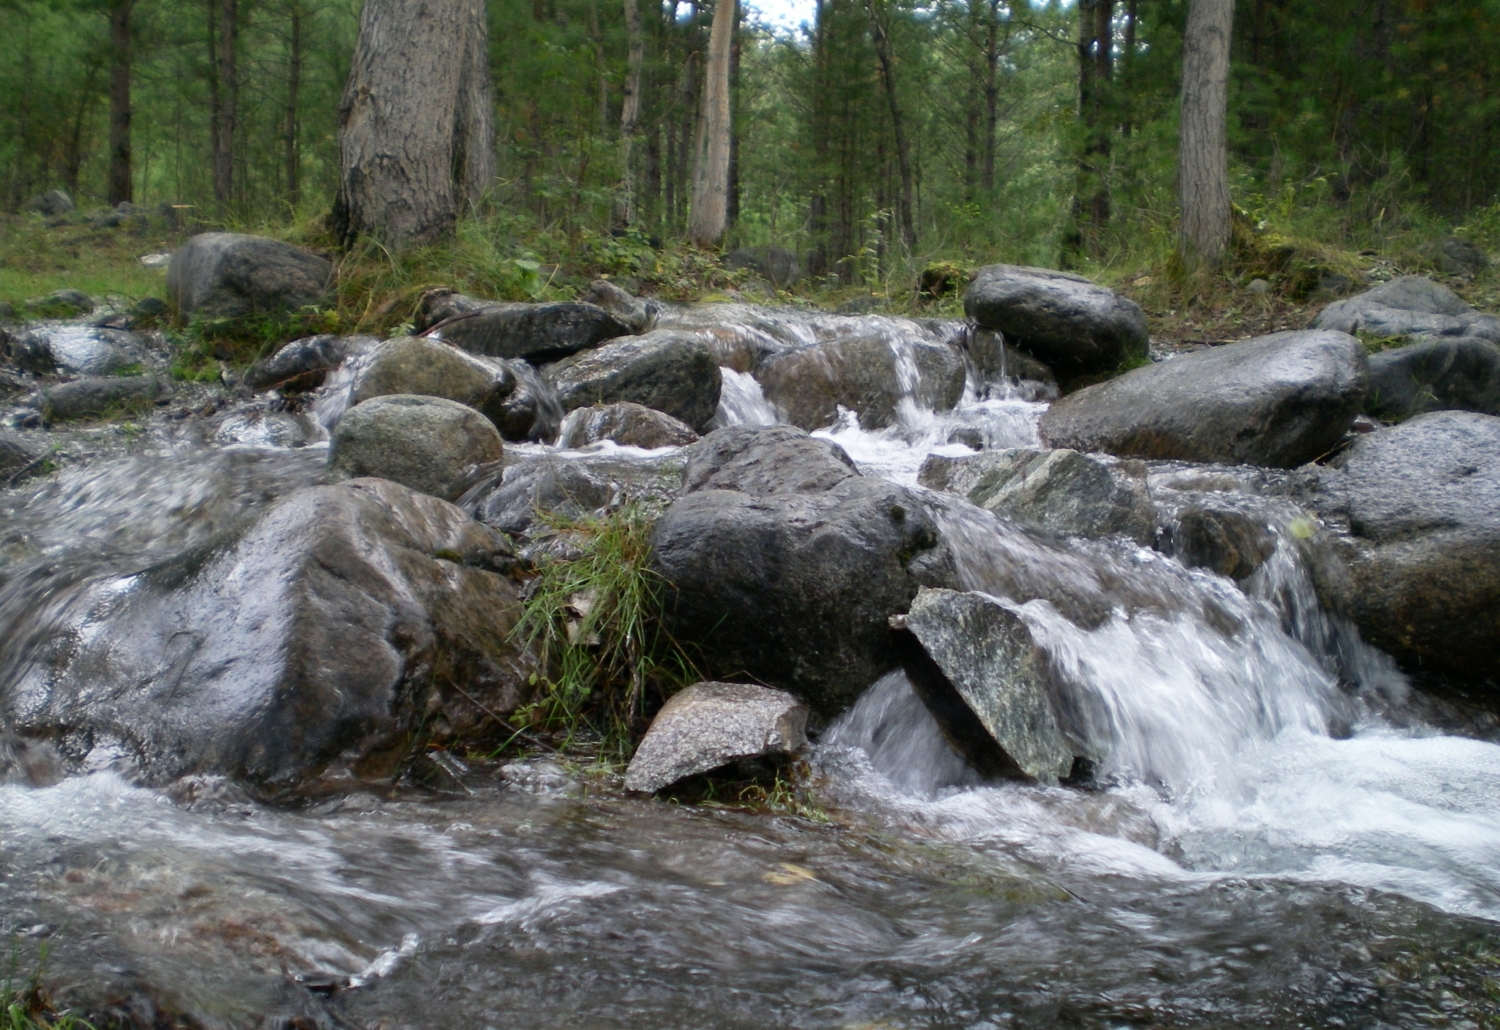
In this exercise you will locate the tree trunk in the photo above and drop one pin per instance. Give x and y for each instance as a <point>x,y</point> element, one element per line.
<point>1095,65</point>
<point>416,128</point>
<point>1203,153</point>
<point>710,206</point>
<point>226,65</point>
<point>120,178</point>
<point>991,91</point>
<point>293,159</point>
<point>903,152</point>
<point>630,110</point>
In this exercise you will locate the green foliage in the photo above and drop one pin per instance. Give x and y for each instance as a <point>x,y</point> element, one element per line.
<point>25,1003</point>
<point>592,614</point>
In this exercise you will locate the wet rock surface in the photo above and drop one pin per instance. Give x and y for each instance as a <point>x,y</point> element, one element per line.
<point>536,332</point>
<point>1408,306</point>
<point>76,350</point>
<point>989,656</point>
<point>1419,569</point>
<point>792,587</point>
<point>430,444</point>
<point>17,451</point>
<point>669,371</point>
<point>225,275</point>
<point>431,368</point>
<point>1278,400</point>
<point>868,375</point>
<point>97,397</point>
<point>1219,535</point>
<point>709,725</point>
<point>1461,373</point>
<point>637,315</point>
<point>999,366</point>
<point>303,365</point>
<point>1060,491</point>
<point>317,644</point>
<point>624,423</point>
<point>1065,321</point>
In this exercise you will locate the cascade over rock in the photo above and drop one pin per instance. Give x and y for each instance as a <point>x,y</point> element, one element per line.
<point>1278,400</point>
<point>304,364</point>
<point>624,423</point>
<point>790,579</point>
<point>1065,321</point>
<point>867,374</point>
<point>1416,566</point>
<point>324,641</point>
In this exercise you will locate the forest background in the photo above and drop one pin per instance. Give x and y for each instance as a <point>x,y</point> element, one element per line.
<point>883,137</point>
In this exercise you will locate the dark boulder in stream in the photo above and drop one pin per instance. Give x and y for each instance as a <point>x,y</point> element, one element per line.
<point>625,423</point>
<point>430,444</point>
<point>304,364</point>
<point>431,368</point>
<point>103,396</point>
<point>1461,373</point>
<point>784,563</point>
<point>1416,562</point>
<point>346,625</point>
<point>670,371</point>
<point>1278,400</point>
<point>536,332</point>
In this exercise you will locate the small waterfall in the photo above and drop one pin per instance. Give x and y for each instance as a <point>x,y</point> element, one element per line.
<point>902,741</point>
<point>741,401</point>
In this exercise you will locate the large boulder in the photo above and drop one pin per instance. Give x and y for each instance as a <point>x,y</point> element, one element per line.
<point>624,423</point>
<point>1408,306</point>
<point>222,275</point>
<point>49,204</point>
<point>987,654</point>
<point>868,374</point>
<point>1435,374</point>
<point>1072,325</point>
<point>304,364</point>
<point>710,725</point>
<point>536,332</point>
<point>430,444</point>
<point>783,563</point>
<point>77,350</point>
<point>1278,400</point>
<point>538,489</point>
<point>103,397</point>
<point>1060,491</point>
<point>346,628</point>
<point>431,368</point>
<point>1416,563</point>
<point>670,371</point>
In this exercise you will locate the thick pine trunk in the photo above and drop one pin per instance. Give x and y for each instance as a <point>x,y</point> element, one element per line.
<point>630,111</point>
<point>1203,152</point>
<point>120,177</point>
<point>416,128</point>
<point>226,108</point>
<point>710,206</point>
<point>292,156</point>
<point>886,60</point>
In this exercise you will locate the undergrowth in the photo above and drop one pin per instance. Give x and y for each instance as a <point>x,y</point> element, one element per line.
<point>593,615</point>
<point>26,1004</point>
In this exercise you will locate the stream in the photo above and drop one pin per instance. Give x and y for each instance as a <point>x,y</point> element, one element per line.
<point>1279,836</point>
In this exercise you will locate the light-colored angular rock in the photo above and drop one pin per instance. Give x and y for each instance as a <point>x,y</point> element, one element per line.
<point>430,444</point>
<point>710,725</point>
<point>989,656</point>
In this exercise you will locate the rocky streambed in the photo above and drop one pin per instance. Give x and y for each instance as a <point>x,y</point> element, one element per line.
<point>1168,703</point>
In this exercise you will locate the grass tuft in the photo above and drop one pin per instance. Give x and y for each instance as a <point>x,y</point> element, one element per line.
<point>26,1004</point>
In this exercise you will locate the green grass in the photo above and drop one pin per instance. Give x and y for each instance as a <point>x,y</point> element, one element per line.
<point>593,618</point>
<point>26,1004</point>
<point>35,260</point>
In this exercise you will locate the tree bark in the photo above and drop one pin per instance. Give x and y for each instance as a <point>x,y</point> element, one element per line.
<point>1203,153</point>
<point>226,115</point>
<point>630,110</point>
<point>416,125</point>
<point>292,155</point>
<point>121,179</point>
<point>886,61</point>
<point>710,206</point>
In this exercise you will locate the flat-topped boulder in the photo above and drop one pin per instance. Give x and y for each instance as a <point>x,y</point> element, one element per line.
<point>432,368</point>
<point>1278,400</point>
<point>1408,306</point>
<point>666,370</point>
<point>224,275</point>
<point>711,725</point>
<point>536,332</point>
<point>1074,326</point>
<point>76,349</point>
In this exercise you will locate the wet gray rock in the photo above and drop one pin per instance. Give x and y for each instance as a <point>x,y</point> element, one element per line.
<point>536,332</point>
<point>1060,491</point>
<point>1070,324</point>
<point>62,303</point>
<point>529,491</point>
<point>710,725</point>
<point>77,350</point>
<point>1408,306</point>
<point>670,371</point>
<point>319,645</point>
<point>862,373</point>
<point>1416,514</point>
<point>431,368</point>
<point>1278,400</point>
<point>430,444</point>
<point>1459,257</point>
<point>17,451</point>
<point>302,365</point>
<point>103,397</point>
<point>222,275</point>
<point>1221,536</point>
<point>776,265</point>
<point>988,655</point>
<point>50,204</point>
<point>627,424</point>
<point>638,316</point>
<point>791,581</point>
<point>999,365</point>
<point>1460,373</point>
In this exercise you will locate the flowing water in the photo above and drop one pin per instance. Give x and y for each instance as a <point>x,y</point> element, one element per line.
<point>1274,838</point>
